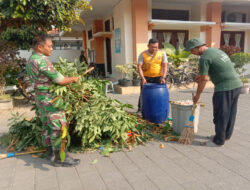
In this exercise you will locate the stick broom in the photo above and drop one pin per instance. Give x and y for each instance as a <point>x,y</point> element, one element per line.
<point>187,135</point>
<point>13,154</point>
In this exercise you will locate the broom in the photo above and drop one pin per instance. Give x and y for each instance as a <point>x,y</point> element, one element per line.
<point>13,154</point>
<point>187,135</point>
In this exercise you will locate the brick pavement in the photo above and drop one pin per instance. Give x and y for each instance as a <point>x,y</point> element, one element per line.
<point>145,167</point>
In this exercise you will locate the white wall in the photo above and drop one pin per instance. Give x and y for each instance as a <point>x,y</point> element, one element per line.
<point>70,55</point>
<point>247,41</point>
<point>247,49</point>
<point>203,11</point>
<point>194,32</point>
<point>195,14</point>
<point>122,19</point>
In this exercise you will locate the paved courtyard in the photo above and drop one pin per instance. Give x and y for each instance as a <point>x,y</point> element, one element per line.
<point>146,167</point>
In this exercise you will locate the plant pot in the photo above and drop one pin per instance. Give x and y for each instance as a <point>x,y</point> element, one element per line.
<point>244,89</point>
<point>10,89</point>
<point>136,82</point>
<point>6,103</point>
<point>125,82</point>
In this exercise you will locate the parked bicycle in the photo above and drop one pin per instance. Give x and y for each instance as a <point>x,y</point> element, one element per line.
<point>96,73</point>
<point>180,77</point>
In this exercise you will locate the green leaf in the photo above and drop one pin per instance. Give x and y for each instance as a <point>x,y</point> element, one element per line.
<point>95,161</point>
<point>169,48</point>
<point>62,155</point>
<point>105,152</point>
<point>59,103</point>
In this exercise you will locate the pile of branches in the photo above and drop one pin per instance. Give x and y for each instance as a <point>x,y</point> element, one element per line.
<point>23,134</point>
<point>92,117</point>
<point>95,121</point>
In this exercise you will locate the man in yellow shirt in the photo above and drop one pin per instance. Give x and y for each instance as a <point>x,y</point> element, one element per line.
<point>152,66</point>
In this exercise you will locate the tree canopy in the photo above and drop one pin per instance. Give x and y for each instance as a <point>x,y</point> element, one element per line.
<point>20,20</point>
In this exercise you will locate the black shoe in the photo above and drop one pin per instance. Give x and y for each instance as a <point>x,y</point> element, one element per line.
<point>49,153</point>
<point>68,162</point>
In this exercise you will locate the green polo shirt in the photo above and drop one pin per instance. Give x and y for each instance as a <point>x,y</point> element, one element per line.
<point>218,66</point>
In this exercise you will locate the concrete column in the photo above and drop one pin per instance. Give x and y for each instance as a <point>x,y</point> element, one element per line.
<point>213,33</point>
<point>98,42</point>
<point>140,26</point>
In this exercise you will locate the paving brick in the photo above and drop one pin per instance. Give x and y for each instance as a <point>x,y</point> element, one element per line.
<point>145,167</point>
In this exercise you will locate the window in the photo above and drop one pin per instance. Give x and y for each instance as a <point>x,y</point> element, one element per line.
<point>233,38</point>
<point>233,17</point>
<point>163,14</point>
<point>175,37</point>
<point>67,44</point>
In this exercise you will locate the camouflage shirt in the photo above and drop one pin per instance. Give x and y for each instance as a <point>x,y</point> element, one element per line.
<point>42,73</point>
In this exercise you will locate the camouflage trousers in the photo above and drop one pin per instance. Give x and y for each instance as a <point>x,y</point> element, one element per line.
<point>53,120</point>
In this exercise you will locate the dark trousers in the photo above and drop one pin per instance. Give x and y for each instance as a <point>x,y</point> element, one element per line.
<point>149,80</point>
<point>225,109</point>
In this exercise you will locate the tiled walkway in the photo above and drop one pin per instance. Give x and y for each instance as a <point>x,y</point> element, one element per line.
<point>145,167</point>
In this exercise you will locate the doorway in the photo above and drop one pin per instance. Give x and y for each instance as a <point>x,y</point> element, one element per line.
<point>108,55</point>
<point>108,48</point>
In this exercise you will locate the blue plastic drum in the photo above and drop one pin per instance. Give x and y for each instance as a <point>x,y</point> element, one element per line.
<point>155,102</point>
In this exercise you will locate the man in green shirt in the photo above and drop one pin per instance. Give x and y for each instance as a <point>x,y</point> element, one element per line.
<point>42,73</point>
<point>218,66</point>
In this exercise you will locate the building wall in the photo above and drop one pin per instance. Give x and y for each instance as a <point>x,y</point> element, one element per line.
<point>122,19</point>
<point>194,33</point>
<point>195,12</point>
<point>247,49</point>
<point>122,15</point>
<point>247,41</point>
<point>203,11</point>
<point>70,55</point>
<point>139,26</point>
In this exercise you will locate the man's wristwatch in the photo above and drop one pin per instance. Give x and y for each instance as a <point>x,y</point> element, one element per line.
<point>163,78</point>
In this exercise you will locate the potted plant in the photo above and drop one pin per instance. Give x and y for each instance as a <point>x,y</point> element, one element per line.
<point>240,60</point>
<point>136,77</point>
<point>245,87</point>
<point>127,71</point>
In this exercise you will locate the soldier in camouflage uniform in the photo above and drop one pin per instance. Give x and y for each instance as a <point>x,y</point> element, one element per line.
<point>43,74</point>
